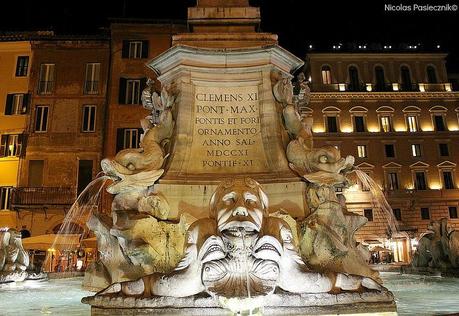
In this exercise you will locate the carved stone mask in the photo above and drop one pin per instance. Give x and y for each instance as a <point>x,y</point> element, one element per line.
<point>239,205</point>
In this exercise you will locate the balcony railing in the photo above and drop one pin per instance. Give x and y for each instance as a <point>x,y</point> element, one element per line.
<point>31,197</point>
<point>409,87</point>
<point>387,87</point>
<point>91,87</point>
<point>434,87</point>
<point>45,87</point>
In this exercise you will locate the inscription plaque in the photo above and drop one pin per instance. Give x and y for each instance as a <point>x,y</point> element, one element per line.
<point>226,130</point>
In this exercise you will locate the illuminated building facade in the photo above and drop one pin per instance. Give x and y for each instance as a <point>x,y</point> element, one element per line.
<point>395,111</point>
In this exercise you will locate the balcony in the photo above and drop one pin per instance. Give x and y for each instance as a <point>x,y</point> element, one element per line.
<point>91,87</point>
<point>45,87</point>
<point>435,87</point>
<point>33,197</point>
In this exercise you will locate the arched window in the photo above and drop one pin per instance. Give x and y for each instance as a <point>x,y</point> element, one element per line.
<point>326,75</point>
<point>431,75</point>
<point>380,83</point>
<point>405,77</point>
<point>354,81</point>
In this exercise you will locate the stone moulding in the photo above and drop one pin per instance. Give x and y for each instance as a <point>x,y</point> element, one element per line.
<point>277,303</point>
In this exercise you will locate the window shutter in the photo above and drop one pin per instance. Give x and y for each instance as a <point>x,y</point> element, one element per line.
<point>25,103</point>
<point>125,50</point>
<point>122,92</point>
<point>9,104</point>
<point>22,142</point>
<point>143,84</point>
<point>144,49</point>
<point>119,139</point>
<point>3,142</point>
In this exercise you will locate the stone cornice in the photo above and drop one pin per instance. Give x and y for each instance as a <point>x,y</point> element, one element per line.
<point>384,95</point>
<point>224,58</point>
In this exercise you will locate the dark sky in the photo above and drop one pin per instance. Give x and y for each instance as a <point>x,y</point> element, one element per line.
<point>297,22</point>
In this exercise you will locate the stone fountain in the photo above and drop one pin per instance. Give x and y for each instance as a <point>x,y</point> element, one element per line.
<point>191,230</point>
<point>14,260</point>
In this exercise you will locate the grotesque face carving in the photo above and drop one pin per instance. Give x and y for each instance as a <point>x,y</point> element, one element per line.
<point>239,206</point>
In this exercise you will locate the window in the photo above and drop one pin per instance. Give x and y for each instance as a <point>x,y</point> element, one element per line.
<point>46,83</point>
<point>22,66</point>
<point>380,80</point>
<point>448,182</point>
<point>35,176</point>
<point>354,81</point>
<point>431,74</point>
<point>439,122</point>
<point>416,150</point>
<point>135,49</point>
<point>368,213</point>
<point>392,181</point>
<point>405,77</point>
<point>359,124</point>
<point>362,151</point>
<point>11,145</point>
<point>397,214</point>
<point>389,150</point>
<point>444,150</point>
<point>425,213</point>
<point>412,122</point>
<point>91,83</point>
<point>420,180</point>
<point>89,118</point>
<point>326,75</point>
<point>386,123</point>
<point>128,138</point>
<point>16,104</point>
<point>332,124</point>
<point>5,194</point>
<point>41,118</point>
<point>130,90</point>
<point>452,212</point>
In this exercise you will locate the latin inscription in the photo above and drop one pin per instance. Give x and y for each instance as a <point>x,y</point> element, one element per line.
<point>226,133</point>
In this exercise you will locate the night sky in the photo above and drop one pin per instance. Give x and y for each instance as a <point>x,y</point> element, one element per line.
<point>297,22</point>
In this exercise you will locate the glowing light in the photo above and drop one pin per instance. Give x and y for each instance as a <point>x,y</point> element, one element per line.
<point>346,129</point>
<point>410,187</point>
<point>318,130</point>
<point>435,186</point>
<point>342,86</point>
<point>400,128</point>
<point>427,128</point>
<point>369,87</point>
<point>448,87</point>
<point>422,87</point>
<point>373,129</point>
<point>453,128</point>
<point>395,86</point>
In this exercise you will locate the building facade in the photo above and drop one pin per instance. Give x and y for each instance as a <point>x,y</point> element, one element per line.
<point>396,113</point>
<point>15,62</point>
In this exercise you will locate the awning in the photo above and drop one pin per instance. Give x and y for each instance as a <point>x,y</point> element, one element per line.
<point>89,242</point>
<point>55,241</point>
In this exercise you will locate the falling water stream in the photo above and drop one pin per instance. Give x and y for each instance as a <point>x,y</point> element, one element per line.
<point>246,258</point>
<point>79,213</point>
<point>383,209</point>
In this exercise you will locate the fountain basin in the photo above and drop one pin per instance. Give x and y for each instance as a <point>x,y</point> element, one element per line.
<point>274,304</point>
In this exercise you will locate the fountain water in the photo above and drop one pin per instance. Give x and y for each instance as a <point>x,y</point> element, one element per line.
<point>76,218</point>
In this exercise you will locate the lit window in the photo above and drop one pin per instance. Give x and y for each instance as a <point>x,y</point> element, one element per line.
<point>11,145</point>
<point>386,124</point>
<point>392,181</point>
<point>91,83</point>
<point>5,194</point>
<point>16,104</point>
<point>362,151</point>
<point>416,150</point>
<point>326,75</point>
<point>46,83</point>
<point>412,122</point>
<point>41,118</point>
<point>22,66</point>
<point>135,49</point>
<point>89,118</point>
<point>131,138</point>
